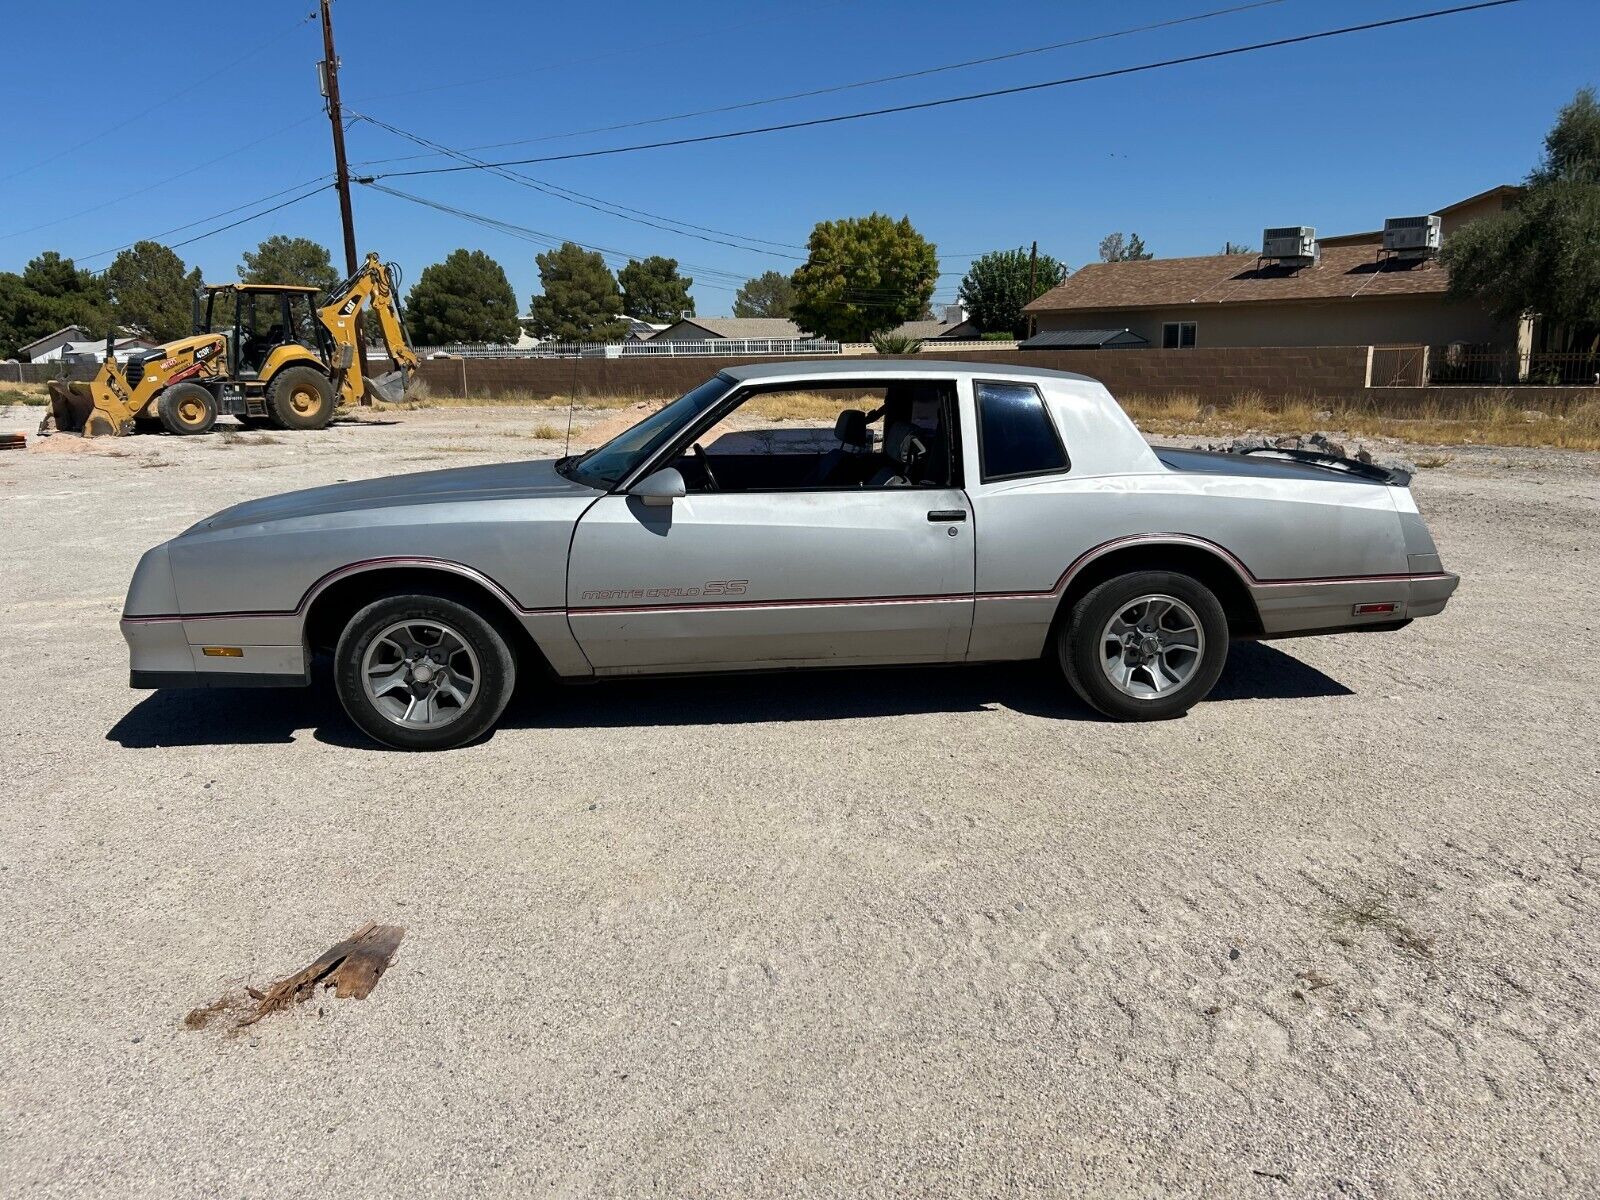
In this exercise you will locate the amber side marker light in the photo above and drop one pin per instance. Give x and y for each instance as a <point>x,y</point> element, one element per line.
<point>1360,610</point>
<point>222,652</point>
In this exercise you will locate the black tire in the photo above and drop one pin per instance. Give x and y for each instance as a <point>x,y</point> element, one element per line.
<point>1081,655</point>
<point>187,408</point>
<point>300,398</point>
<point>490,659</point>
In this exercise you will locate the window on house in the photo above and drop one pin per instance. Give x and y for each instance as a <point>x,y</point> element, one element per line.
<point>1177,335</point>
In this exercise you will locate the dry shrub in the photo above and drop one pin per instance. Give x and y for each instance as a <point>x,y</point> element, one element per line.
<point>1495,419</point>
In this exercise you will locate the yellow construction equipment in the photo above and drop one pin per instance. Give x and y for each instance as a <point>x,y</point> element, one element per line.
<point>260,352</point>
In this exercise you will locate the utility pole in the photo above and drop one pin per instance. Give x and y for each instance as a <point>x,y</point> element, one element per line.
<point>329,70</point>
<point>1033,278</point>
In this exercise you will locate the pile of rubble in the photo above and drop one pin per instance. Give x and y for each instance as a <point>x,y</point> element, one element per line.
<point>1317,443</point>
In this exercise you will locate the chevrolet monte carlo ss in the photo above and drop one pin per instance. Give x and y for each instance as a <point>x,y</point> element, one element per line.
<point>850,513</point>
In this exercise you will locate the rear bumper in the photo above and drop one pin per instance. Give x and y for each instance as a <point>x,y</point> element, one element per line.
<point>161,656</point>
<point>1296,608</point>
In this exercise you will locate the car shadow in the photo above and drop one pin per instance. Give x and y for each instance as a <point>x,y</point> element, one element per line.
<point>1255,671</point>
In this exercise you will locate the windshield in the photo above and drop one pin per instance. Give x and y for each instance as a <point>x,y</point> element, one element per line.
<point>608,465</point>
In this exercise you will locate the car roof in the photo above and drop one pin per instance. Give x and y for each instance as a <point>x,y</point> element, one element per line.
<point>890,368</point>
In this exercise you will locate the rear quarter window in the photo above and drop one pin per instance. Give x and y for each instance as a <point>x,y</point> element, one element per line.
<point>1016,436</point>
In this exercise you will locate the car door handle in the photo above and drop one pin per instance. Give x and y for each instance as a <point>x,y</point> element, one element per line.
<point>947,514</point>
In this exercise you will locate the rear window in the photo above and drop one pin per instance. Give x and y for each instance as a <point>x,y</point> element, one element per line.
<point>1015,434</point>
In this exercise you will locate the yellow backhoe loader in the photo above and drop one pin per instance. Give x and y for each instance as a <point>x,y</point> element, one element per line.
<point>260,352</point>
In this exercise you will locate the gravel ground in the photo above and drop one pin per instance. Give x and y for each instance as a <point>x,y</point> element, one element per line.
<point>892,932</point>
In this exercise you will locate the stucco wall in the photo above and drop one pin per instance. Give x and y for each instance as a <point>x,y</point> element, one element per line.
<point>1413,320</point>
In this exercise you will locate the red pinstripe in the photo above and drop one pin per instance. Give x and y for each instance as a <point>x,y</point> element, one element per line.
<point>947,598</point>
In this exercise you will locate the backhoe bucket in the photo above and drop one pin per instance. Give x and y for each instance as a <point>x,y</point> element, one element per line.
<point>390,388</point>
<point>88,408</point>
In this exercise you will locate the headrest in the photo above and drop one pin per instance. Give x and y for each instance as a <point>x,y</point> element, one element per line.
<point>851,427</point>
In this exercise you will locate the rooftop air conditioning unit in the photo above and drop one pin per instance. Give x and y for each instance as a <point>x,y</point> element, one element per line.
<point>1413,235</point>
<point>1289,241</point>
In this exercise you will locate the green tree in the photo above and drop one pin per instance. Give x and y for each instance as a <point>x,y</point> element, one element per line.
<point>1539,255</point>
<point>465,298</point>
<point>297,260</point>
<point>864,275</point>
<point>149,290</point>
<point>580,300</point>
<point>770,294</point>
<point>652,290</point>
<point>58,293</point>
<point>1117,247</point>
<point>996,287</point>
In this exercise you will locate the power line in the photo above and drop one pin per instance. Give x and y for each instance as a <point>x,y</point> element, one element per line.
<point>547,239</point>
<point>609,208</point>
<point>864,296</point>
<point>144,112</point>
<point>214,216</point>
<point>862,83</point>
<point>1018,90</point>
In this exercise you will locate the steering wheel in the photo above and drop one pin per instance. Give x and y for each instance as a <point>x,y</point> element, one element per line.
<point>703,461</point>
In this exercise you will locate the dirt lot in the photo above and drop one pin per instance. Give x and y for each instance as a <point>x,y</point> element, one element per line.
<point>909,932</point>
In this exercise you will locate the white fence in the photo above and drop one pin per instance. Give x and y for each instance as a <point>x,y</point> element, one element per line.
<point>718,348</point>
<point>715,348</point>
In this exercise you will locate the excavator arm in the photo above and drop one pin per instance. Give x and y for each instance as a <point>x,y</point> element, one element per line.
<point>375,286</point>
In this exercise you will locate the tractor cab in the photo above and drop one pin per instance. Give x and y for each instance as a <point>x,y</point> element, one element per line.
<point>258,319</point>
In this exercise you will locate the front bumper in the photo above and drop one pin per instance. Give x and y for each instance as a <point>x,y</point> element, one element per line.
<point>169,652</point>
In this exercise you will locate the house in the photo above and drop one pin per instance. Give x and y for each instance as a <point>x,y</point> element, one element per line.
<point>952,325</point>
<point>711,329</point>
<point>95,351</point>
<point>47,348</point>
<point>1345,290</point>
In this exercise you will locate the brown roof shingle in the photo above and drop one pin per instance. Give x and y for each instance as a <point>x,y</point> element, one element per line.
<point>1344,272</point>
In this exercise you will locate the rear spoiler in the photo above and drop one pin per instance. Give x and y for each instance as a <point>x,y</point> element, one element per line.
<point>1393,476</point>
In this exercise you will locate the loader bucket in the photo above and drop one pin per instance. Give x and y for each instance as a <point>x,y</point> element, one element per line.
<point>84,408</point>
<point>390,388</point>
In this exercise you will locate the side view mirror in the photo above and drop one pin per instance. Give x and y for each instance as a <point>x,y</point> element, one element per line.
<point>660,489</point>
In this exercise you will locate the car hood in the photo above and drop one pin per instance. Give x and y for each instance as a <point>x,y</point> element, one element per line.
<point>498,481</point>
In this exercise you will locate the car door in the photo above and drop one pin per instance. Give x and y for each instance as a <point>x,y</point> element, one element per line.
<point>732,580</point>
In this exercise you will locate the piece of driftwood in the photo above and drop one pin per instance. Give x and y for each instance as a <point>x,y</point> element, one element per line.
<point>352,968</point>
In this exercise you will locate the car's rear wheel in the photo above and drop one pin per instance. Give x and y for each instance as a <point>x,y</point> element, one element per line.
<point>1144,646</point>
<point>420,672</point>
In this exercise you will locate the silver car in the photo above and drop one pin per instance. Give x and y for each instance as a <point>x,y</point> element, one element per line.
<point>848,513</point>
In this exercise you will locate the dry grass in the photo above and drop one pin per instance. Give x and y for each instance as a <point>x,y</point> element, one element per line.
<point>35,395</point>
<point>1496,420</point>
<point>1490,421</point>
<point>1372,911</point>
<point>547,433</point>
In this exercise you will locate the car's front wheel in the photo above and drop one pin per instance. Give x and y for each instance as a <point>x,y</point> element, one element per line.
<point>1144,646</point>
<point>420,672</point>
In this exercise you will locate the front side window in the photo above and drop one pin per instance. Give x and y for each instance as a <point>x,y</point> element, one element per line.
<point>826,438</point>
<point>1016,436</point>
<point>1177,335</point>
<point>606,466</point>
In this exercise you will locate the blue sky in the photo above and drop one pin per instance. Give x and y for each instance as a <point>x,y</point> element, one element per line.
<point>1336,134</point>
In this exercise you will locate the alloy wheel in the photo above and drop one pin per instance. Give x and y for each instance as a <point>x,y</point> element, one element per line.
<point>1152,646</point>
<point>420,673</point>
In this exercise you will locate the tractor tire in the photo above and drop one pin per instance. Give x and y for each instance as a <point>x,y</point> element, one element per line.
<point>300,398</point>
<point>187,408</point>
